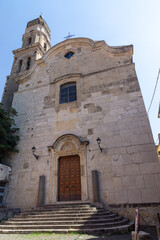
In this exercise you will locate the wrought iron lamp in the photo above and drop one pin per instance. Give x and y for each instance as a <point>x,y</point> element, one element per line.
<point>33,151</point>
<point>99,144</point>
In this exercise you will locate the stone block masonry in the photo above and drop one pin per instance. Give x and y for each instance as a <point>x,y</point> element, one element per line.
<point>108,105</point>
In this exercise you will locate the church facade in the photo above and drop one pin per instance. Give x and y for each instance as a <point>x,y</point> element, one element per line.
<point>84,132</point>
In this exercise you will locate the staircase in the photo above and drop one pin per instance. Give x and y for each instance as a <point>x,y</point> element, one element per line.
<point>66,218</point>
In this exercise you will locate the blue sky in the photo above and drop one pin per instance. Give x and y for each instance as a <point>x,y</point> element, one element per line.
<point>118,22</point>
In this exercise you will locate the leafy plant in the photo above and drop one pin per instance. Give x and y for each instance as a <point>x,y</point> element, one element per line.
<point>8,138</point>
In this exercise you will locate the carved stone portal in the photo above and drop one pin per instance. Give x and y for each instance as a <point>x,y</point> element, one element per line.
<point>67,145</point>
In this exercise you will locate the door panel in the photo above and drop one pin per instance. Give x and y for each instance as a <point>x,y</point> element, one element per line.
<point>69,184</point>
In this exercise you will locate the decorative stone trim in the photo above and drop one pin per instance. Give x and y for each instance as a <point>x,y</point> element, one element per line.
<point>64,80</point>
<point>67,145</point>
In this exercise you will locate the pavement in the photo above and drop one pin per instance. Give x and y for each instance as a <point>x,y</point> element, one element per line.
<point>73,236</point>
<point>36,236</point>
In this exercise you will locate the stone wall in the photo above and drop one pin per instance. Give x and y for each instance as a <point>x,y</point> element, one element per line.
<point>148,212</point>
<point>109,106</point>
<point>10,88</point>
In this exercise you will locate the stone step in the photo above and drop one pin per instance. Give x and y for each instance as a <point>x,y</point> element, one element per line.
<point>64,219</point>
<point>67,226</point>
<point>110,230</point>
<point>66,215</point>
<point>63,209</point>
<point>70,221</point>
<point>60,218</point>
<point>66,206</point>
<point>65,212</point>
<point>115,229</point>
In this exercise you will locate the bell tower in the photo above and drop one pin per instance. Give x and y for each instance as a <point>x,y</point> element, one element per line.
<point>35,42</point>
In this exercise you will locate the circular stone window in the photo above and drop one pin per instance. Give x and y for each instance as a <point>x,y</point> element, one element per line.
<point>69,55</point>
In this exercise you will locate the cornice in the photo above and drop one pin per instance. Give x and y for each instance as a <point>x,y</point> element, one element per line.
<point>95,45</point>
<point>26,75</point>
<point>71,75</point>
<point>26,49</point>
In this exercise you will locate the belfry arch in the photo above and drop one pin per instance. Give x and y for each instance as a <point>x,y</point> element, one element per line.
<point>65,147</point>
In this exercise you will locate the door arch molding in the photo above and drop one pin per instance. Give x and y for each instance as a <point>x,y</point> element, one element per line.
<point>67,145</point>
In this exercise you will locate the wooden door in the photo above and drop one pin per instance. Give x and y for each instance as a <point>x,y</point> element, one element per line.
<point>69,184</point>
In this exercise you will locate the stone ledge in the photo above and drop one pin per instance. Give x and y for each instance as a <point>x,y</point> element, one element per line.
<point>126,205</point>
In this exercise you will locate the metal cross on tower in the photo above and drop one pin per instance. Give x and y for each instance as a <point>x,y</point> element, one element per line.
<point>69,36</point>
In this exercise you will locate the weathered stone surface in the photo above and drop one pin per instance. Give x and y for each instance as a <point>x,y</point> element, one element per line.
<point>109,105</point>
<point>148,212</point>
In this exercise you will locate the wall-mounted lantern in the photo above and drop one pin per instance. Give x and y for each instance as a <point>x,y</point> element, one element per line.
<point>33,152</point>
<point>99,144</point>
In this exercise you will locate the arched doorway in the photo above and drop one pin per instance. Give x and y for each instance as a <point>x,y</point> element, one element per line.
<point>68,151</point>
<point>69,178</point>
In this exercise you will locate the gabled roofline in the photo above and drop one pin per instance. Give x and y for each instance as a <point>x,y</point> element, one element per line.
<point>95,45</point>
